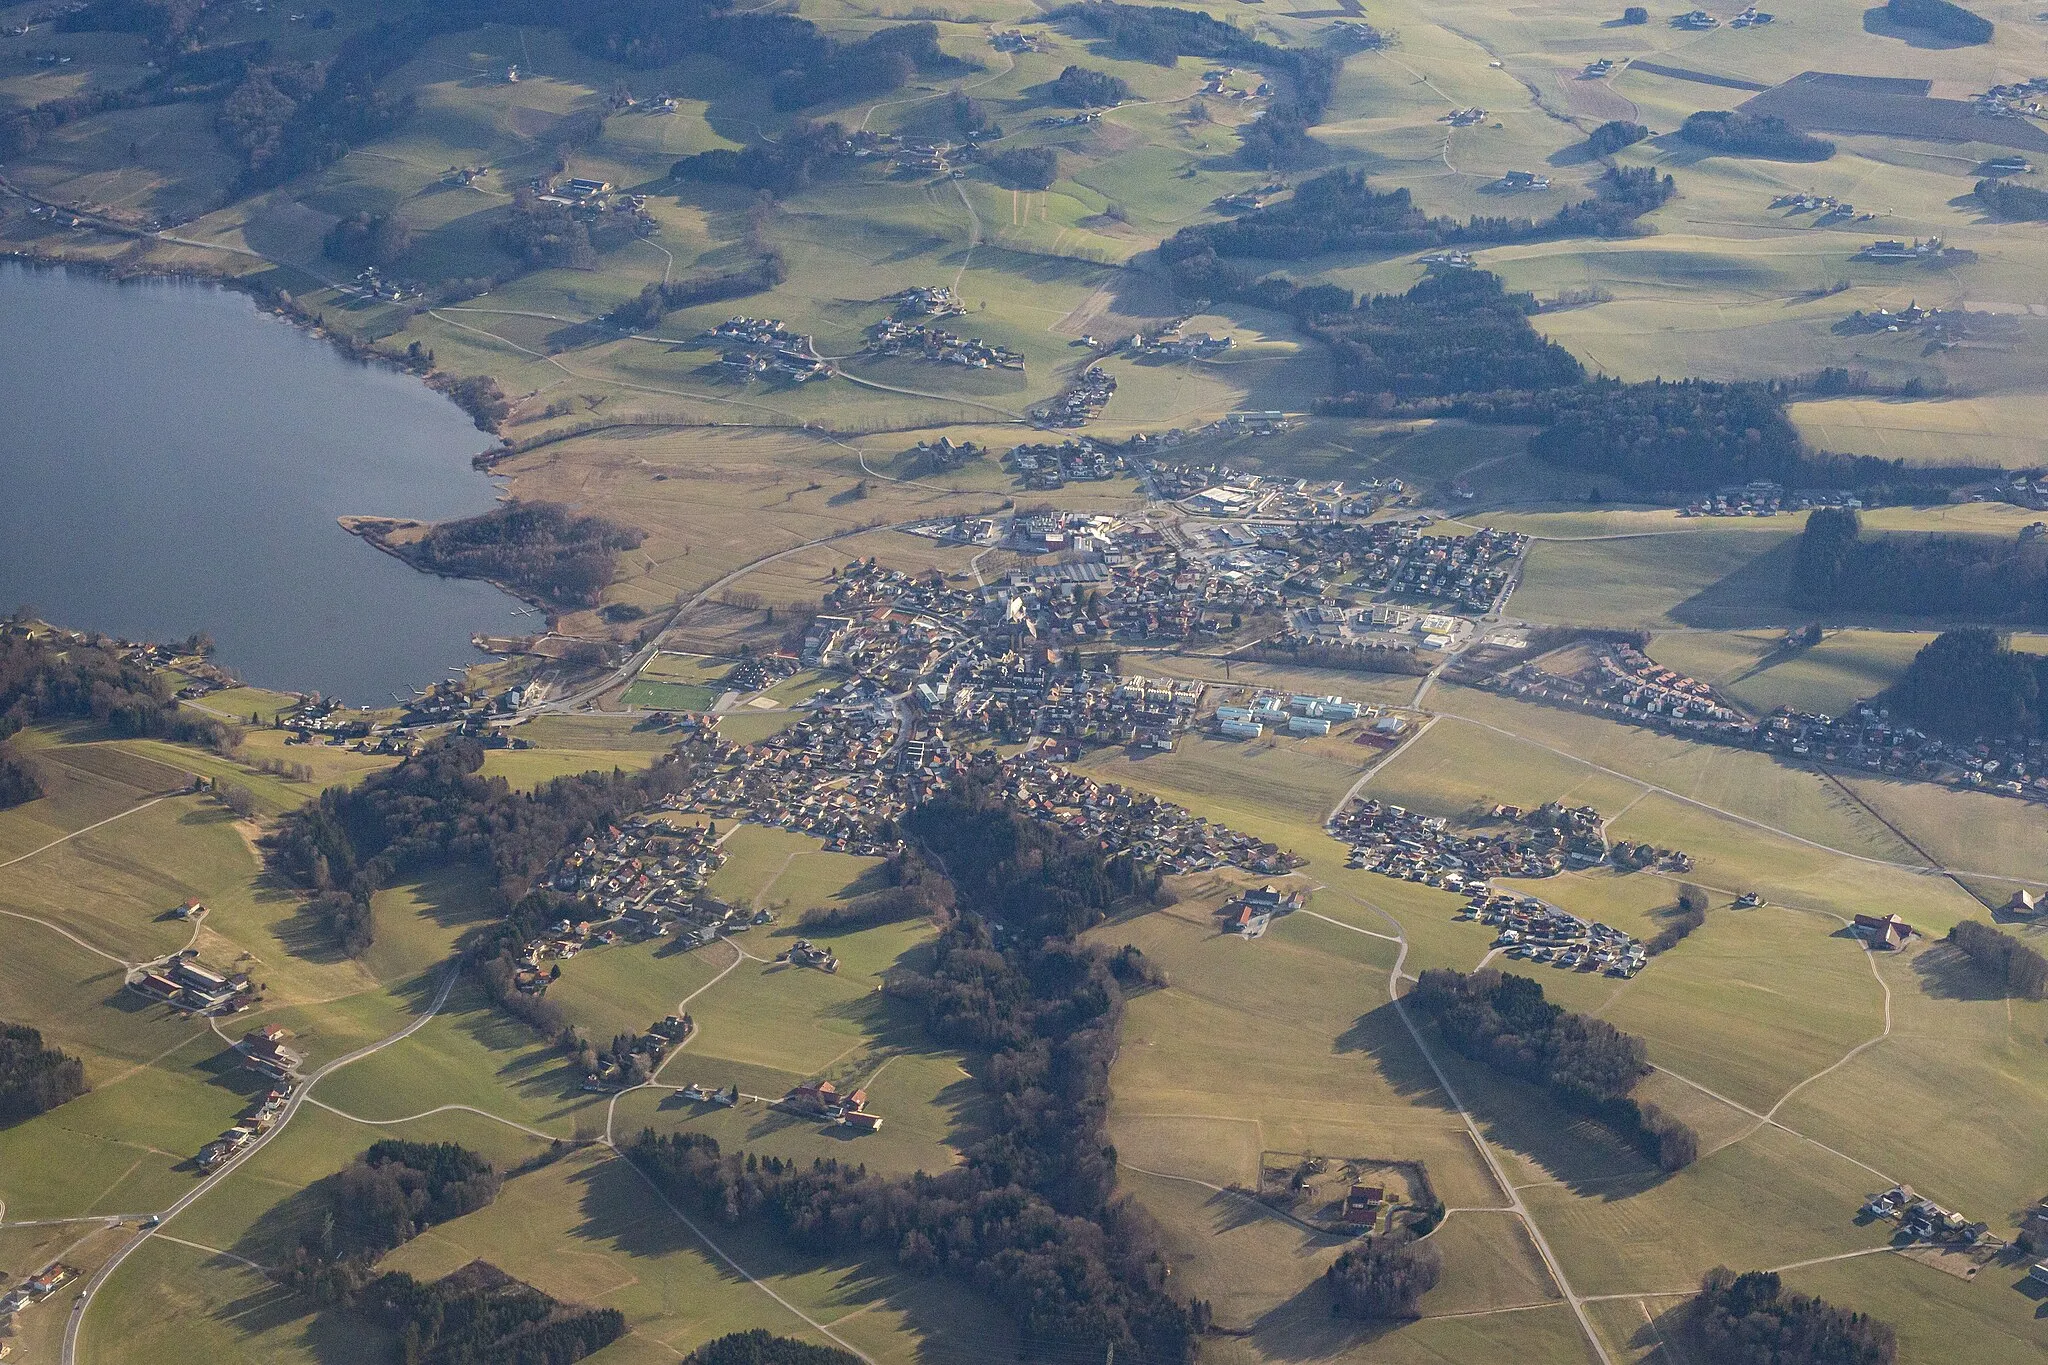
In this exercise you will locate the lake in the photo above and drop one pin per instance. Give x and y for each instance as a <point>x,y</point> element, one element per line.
<point>172,459</point>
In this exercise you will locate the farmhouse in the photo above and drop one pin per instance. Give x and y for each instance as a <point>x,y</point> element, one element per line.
<point>1362,1203</point>
<point>1883,931</point>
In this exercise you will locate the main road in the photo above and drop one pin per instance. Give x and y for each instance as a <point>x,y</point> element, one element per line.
<point>300,1092</point>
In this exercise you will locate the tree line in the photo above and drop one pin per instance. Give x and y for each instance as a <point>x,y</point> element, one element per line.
<point>1968,684</point>
<point>1942,17</point>
<point>1383,1278</point>
<point>1031,1215</point>
<point>1750,1317</point>
<point>1341,211</point>
<point>1586,1064</point>
<point>537,549</point>
<point>657,300</point>
<point>2018,969</point>
<point>915,890</point>
<point>761,1347</point>
<point>1760,135</point>
<point>43,678</point>
<point>18,782</point>
<point>1689,914</point>
<point>436,807</point>
<point>34,1078</point>
<point>788,164</point>
<point>1277,137</point>
<point>1988,577</point>
<point>1082,87</point>
<point>1453,333</point>
<point>481,1316</point>
<point>380,1201</point>
<point>2010,200</point>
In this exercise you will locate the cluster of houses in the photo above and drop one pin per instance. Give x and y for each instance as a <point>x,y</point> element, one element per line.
<point>1083,400</point>
<point>838,776</point>
<point>1887,249</point>
<point>927,301</point>
<point>1042,465</point>
<point>756,347</point>
<point>1297,715</point>
<point>1244,201</point>
<point>1249,913</point>
<point>2027,488</point>
<point>1946,327</point>
<point>183,983</point>
<point>1015,40</point>
<point>894,337</point>
<point>261,1115</point>
<point>824,1100</point>
<point>1629,687</point>
<point>804,953</point>
<point>1397,842</point>
<point>2012,99</point>
<point>1830,209</point>
<point>36,1288</point>
<point>1167,344</point>
<point>634,1059</point>
<point>1922,1220</point>
<point>1401,559</point>
<point>1539,932</point>
<point>1216,81</point>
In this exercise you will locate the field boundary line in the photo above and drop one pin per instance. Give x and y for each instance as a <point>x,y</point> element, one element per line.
<point>429,1113</point>
<point>1918,869</point>
<point>87,829</point>
<point>1256,1203</point>
<point>737,1268</point>
<point>61,931</point>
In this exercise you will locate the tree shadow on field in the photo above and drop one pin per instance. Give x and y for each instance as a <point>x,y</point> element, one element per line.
<point>1879,24</point>
<point>1655,1335</point>
<point>1947,973</point>
<point>1584,1155</point>
<point>1753,595</point>
<point>1302,1328</point>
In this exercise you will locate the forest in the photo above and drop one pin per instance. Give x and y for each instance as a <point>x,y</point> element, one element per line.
<point>1662,435</point>
<point>760,1347</point>
<point>43,678</point>
<point>540,550</point>
<point>1277,137</point>
<point>1080,87</point>
<point>2009,200</point>
<point>1383,1278</point>
<point>2017,969</point>
<point>1586,1064</point>
<point>1455,332</point>
<point>1759,135</point>
<point>18,782</point>
<point>481,1316</point>
<point>1750,1317</point>
<point>1968,685</point>
<point>656,300</point>
<point>436,807</point>
<point>380,1201</point>
<point>1940,16</point>
<point>364,238</point>
<point>1988,577</point>
<point>1341,211</point>
<point>1025,168</point>
<point>788,164</point>
<point>1031,1215</point>
<point>34,1078</point>
<point>1613,135</point>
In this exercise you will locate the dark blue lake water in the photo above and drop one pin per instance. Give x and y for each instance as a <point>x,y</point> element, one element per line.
<point>173,459</point>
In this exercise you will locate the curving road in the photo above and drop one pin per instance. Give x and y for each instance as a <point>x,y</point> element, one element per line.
<point>301,1092</point>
